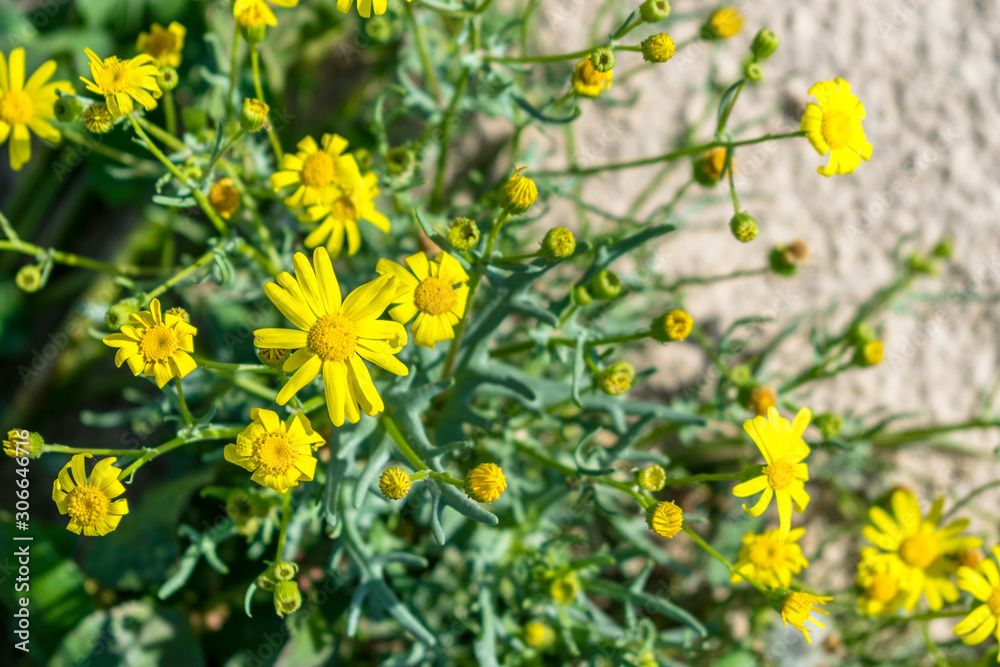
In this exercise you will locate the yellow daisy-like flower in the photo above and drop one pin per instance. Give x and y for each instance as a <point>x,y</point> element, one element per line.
<point>588,82</point>
<point>224,198</point>
<point>340,216</point>
<point>784,475</point>
<point>770,560</point>
<point>834,126</point>
<point>984,583</point>
<point>164,44</point>
<point>926,552</point>
<point>156,344</point>
<point>321,174</point>
<point>122,81</point>
<point>260,9</point>
<point>435,293</point>
<point>336,336</point>
<point>797,609</point>
<point>279,454</point>
<point>89,503</point>
<point>27,105</point>
<point>485,483</point>
<point>364,6</point>
<point>878,576</point>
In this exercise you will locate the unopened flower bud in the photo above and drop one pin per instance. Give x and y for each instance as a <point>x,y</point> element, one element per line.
<point>651,478</point>
<point>399,161</point>
<point>829,424</point>
<point>118,314</point>
<point>284,571</point>
<point>658,48</point>
<point>708,167</point>
<point>519,193</point>
<point>253,23</point>
<point>602,59</point>
<point>364,159</point>
<point>394,483</point>
<point>869,354</point>
<point>673,325</point>
<point>945,248</point>
<point>558,244</point>
<point>765,43</point>
<point>167,79</point>
<point>29,278</point>
<point>744,227</point>
<point>287,597</point>
<point>565,589</point>
<point>617,379</point>
<point>762,398</point>
<point>753,71</point>
<point>224,198</point>
<point>652,11</point>
<point>665,519</point>
<point>785,260</point>
<point>97,119</point>
<point>67,109</point>
<point>605,285</point>
<point>253,115</point>
<point>463,234</point>
<point>21,443</point>
<point>272,357</point>
<point>485,483</point>
<point>582,296</point>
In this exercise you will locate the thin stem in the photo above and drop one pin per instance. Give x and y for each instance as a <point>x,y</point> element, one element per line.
<point>706,477</point>
<point>404,447</point>
<point>8,229</point>
<point>65,449</point>
<point>449,364</point>
<point>732,181</point>
<point>517,259</point>
<point>234,67</point>
<point>255,64</point>
<point>161,134</point>
<point>719,557</point>
<point>666,157</point>
<point>185,413</point>
<point>564,470</point>
<point>442,477</point>
<point>437,195</point>
<point>180,275</point>
<point>106,151</point>
<point>223,433</point>
<point>286,514</point>
<point>170,112</point>
<point>229,144</point>
<point>708,280</point>
<point>70,259</point>
<point>524,345</point>
<point>223,366</point>
<point>433,87</point>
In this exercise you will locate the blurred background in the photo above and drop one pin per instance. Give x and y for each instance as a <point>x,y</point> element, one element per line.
<point>926,72</point>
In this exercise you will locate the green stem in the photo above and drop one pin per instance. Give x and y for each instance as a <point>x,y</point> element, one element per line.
<point>525,345</point>
<point>517,259</point>
<point>255,64</point>
<point>568,56</point>
<point>8,229</point>
<point>437,196</point>
<point>404,447</point>
<point>70,259</point>
<point>902,437</point>
<point>65,449</point>
<point>719,557</point>
<point>170,112</point>
<point>564,470</point>
<point>442,477</point>
<point>223,366</point>
<point>161,134</point>
<point>98,147</point>
<point>229,144</point>
<point>180,275</point>
<point>666,157</point>
<point>185,413</point>
<point>234,68</point>
<point>729,109</point>
<point>706,477</point>
<point>449,364</point>
<point>223,433</point>
<point>286,515</point>
<point>433,87</point>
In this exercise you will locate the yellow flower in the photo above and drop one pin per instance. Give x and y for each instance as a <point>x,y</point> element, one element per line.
<point>878,576</point>
<point>156,344</point>
<point>485,483</point>
<point>762,399</point>
<point>797,609</point>
<point>224,198</point>
<point>834,126</point>
<point>588,82</point>
<point>435,293</point>
<point>260,9</point>
<point>394,483</point>
<point>341,214</point>
<point>724,23</point>
<point>671,326</point>
<point>121,81</point>
<point>565,589</point>
<point>279,454</point>
<point>336,336</point>
<point>164,44</point>
<point>984,583</point>
<point>25,106</point>
<point>89,502</point>
<point>665,519</point>
<point>925,551</point>
<point>538,635</point>
<point>321,174</point>
<point>364,6</point>
<point>784,475</point>
<point>770,560</point>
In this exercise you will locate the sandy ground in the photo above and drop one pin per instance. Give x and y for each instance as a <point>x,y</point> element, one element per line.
<point>927,74</point>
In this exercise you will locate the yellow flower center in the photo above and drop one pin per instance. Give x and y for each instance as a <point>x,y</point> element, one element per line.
<point>114,78</point>
<point>333,337</point>
<point>318,170</point>
<point>434,296</point>
<point>994,601</point>
<point>344,209</point>
<point>161,43</point>
<point>883,588</point>
<point>252,18</point>
<point>274,453</point>
<point>780,474</point>
<point>767,553</point>
<point>836,129</point>
<point>87,505</point>
<point>16,107</point>
<point>919,550</point>
<point>158,343</point>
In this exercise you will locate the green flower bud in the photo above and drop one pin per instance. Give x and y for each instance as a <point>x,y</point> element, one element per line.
<point>582,296</point>
<point>708,167</point>
<point>765,43</point>
<point>558,244</point>
<point>118,314</point>
<point>167,79</point>
<point>253,115</point>
<point>673,325</point>
<point>379,28</point>
<point>918,263</point>
<point>861,333</point>
<point>602,59</point>
<point>752,71</point>
<point>617,379</point>
<point>463,233</point>
<point>364,159</point>
<point>97,119</point>
<point>741,375</point>
<point>744,227</point>
<point>652,11</point>
<point>869,354</point>
<point>829,424</point>
<point>287,597</point>
<point>284,571</point>
<point>67,109</point>
<point>265,580</point>
<point>29,278</point>
<point>21,443</point>
<point>399,161</point>
<point>652,478</point>
<point>565,589</point>
<point>538,635</point>
<point>605,285</point>
<point>945,248</point>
